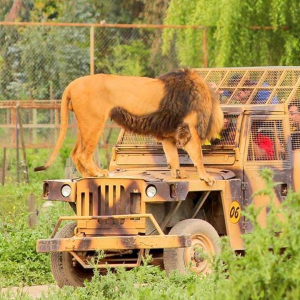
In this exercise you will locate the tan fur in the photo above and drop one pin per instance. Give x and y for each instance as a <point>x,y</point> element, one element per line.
<point>92,99</point>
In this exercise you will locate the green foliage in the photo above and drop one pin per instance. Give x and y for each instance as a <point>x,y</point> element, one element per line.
<point>65,151</point>
<point>20,264</point>
<point>270,267</point>
<point>154,12</point>
<point>131,59</point>
<point>231,39</point>
<point>35,157</point>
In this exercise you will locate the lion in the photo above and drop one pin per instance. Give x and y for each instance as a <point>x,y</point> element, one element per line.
<point>177,108</point>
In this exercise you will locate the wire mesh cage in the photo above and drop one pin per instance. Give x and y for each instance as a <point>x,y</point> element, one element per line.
<point>131,139</point>
<point>42,60</point>
<point>257,85</point>
<point>132,51</point>
<point>267,141</point>
<point>227,136</point>
<point>294,118</point>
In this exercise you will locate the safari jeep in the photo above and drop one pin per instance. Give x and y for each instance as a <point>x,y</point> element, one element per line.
<point>141,210</point>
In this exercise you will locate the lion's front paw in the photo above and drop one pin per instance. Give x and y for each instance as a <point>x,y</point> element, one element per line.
<point>102,173</point>
<point>178,173</point>
<point>207,178</point>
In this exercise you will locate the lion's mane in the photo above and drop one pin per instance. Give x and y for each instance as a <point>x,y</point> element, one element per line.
<point>185,92</point>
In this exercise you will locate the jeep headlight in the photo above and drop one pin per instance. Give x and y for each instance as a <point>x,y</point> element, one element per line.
<point>151,191</point>
<point>66,190</point>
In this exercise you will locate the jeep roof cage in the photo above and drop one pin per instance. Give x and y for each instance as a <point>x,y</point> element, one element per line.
<point>267,85</point>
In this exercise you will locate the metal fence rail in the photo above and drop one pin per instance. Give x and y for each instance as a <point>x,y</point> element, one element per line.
<point>40,122</point>
<point>29,125</point>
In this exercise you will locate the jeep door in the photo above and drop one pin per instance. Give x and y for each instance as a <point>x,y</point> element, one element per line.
<point>266,146</point>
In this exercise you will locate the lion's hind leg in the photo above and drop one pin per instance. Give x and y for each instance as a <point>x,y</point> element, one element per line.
<point>90,134</point>
<point>75,153</point>
<point>171,153</point>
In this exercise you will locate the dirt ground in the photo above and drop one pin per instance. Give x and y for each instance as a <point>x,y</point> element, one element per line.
<point>35,291</point>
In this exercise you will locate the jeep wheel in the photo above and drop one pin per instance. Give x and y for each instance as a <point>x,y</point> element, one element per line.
<point>204,238</point>
<point>63,270</point>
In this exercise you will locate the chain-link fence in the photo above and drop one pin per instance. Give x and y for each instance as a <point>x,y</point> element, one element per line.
<point>38,61</point>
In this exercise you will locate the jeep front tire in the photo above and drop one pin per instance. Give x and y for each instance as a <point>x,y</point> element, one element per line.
<point>64,271</point>
<point>204,240</point>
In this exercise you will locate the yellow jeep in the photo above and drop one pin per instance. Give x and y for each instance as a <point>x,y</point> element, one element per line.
<point>140,209</point>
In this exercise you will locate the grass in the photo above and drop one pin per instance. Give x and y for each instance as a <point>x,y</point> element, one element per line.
<point>35,157</point>
<point>19,262</point>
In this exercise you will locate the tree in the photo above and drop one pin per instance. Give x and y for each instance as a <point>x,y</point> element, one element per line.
<point>154,12</point>
<point>233,37</point>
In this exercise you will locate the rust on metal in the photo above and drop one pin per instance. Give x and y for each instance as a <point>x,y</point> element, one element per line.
<point>128,263</point>
<point>113,243</point>
<point>100,25</point>
<point>109,217</point>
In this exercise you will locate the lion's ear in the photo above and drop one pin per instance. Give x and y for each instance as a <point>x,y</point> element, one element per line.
<point>204,123</point>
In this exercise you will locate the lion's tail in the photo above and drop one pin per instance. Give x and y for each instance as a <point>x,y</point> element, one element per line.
<point>132,123</point>
<point>63,129</point>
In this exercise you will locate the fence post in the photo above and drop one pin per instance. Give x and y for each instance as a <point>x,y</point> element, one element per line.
<point>17,144</point>
<point>56,125</point>
<point>23,144</point>
<point>13,126</point>
<point>3,166</point>
<point>34,122</point>
<point>32,211</point>
<point>69,168</point>
<point>92,50</point>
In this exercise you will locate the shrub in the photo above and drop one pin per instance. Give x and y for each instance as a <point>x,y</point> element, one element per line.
<point>269,269</point>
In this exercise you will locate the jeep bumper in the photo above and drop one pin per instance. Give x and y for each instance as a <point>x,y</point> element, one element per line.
<point>113,243</point>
